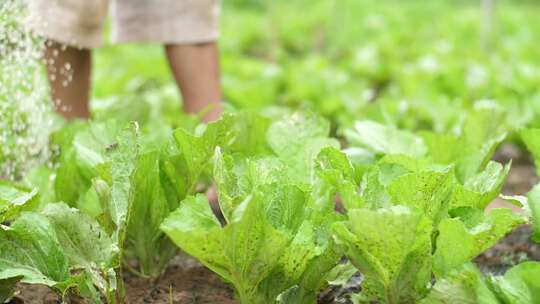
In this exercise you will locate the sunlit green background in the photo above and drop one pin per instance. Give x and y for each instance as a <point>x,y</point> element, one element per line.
<point>415,64</point>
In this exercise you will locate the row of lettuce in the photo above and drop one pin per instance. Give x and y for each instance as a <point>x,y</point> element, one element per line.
<point>338,57</point>
<point>346,60</point>
<point>410,211</point>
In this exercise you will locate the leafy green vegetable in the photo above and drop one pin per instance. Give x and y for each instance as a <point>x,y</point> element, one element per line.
<point>336,174</point>
<point>482,188</point>
<point>380,139</point>
<point>122,156</point>
<point>149,207</point>
<point>418,220</point>
<point>468,155</point>
<point>67,249</point>
<point>59,247</point>
<point>245,251</point>
<point>83,149</point>
<point>464,285</point>
<point>297,141</point>
<point>277,237</point>
<point>161,180</point>
<point>15,199</point>
<point>468,285</point>
<point>519,284</point>
<point>457,243</point>
<point>391,247</point>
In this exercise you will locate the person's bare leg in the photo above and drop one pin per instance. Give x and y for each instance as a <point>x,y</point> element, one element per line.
<point>68,69</point>
<point>196,70</point>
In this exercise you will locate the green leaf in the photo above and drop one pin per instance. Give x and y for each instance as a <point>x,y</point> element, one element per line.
<point>485,124</point>
<point>84,243</point>
<point>250,139</point>
<point>254,244</point>
<point>41,178</point>
<point>458,244</point>
<point>292,263</point>
<point>194,228</point>
<point>427,191</point>
<point>467,154</point>
<point>297,140</point>
<point>482,188</point>
<point>184,160</point>
<point>302,265</point>
<point>534,205</point>
<point>196,150</point>
<point>91,144</point>
<point>80,158</point>
<point>149,207</point>
<point>30,249</point>
<point>243,253</point>
<point>59,247</point>
<point>335,174</point>
<point>531,137</point>
<point>237,179</point>
<point>341,274</point>
<point>250,246</point>
<point>467,285</point>
<point>519,284</point>
<point>392,248</point>
<point>372,189</point>
<point>123,156</point>
<point>289,296</point>
<point>475,161</point>
<point>382,139</point>
<point>444,148</point>
<point>15,199</point>
<point>464,285</point>
<point>69,182</point>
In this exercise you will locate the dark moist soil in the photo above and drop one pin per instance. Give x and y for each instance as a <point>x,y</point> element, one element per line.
<point>184,282</point>
<point>188,282</point>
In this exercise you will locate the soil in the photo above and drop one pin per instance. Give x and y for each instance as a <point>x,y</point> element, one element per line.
<point>188,282</point>
<point>185,282</point>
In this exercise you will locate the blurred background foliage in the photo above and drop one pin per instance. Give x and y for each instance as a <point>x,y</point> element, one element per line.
<point>414,64</point>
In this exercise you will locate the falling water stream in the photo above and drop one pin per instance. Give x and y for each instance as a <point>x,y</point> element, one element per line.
<point>25,109</point>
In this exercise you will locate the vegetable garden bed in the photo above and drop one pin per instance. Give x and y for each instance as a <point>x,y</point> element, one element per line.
<point>393,117</point>
<point>186,281</point>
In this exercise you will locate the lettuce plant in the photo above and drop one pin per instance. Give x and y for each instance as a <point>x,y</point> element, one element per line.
<point>468,151</point>
<point>275,243</point>
<point>274,238</point>
<point>15,199</point>
<point>468,285</point>
<point>162,176</point>
<point>416,220</point>
<point>161,180</point>
<point>62,248</point>
<point>67,249</point>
